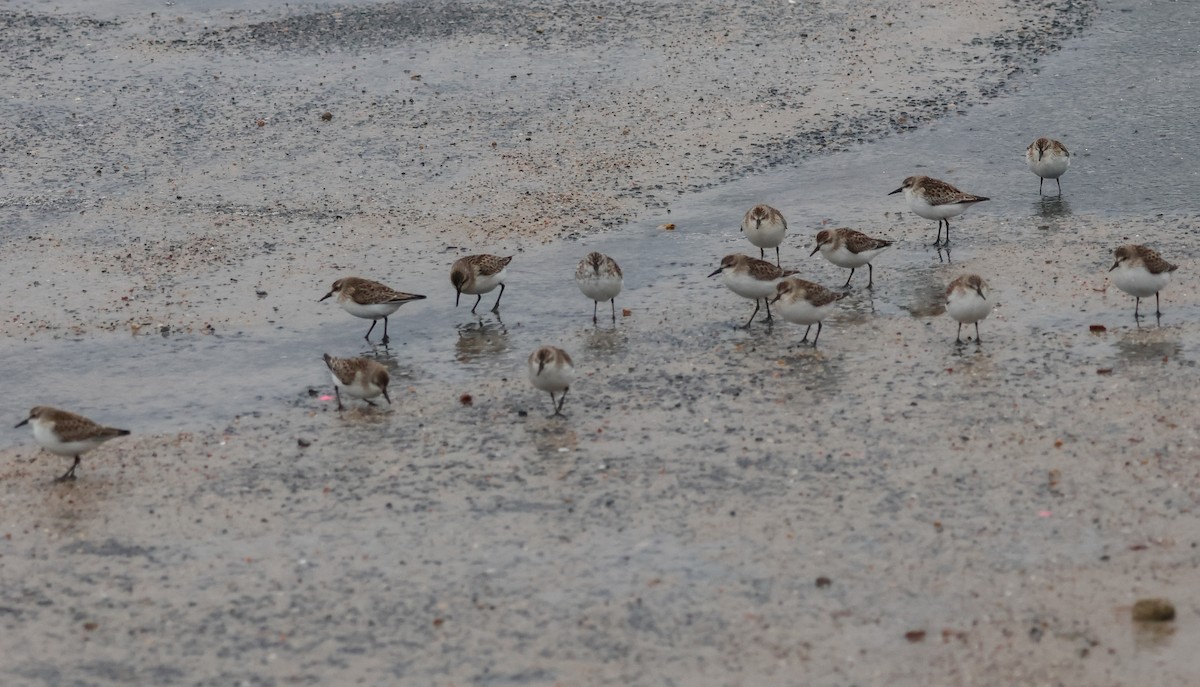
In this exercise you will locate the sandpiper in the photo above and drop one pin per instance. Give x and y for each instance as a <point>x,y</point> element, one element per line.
<point>934,199</point>
<point>599,278</point>
<point>551,370</point>
<point>1049,159</point>
<point>67,434</point>
<point>967,302</point>
<point>849,248</point>
<point>359,377</point>
<point>751,278</point>
<point>1141,272</point>
<point>765,227</point>
<point>803,302</point>
<point>369,300</point>
<point>479,274</point>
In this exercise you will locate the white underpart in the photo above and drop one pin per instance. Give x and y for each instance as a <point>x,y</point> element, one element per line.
<point>800,311</point>
<point>765,234</point>
<point>373,311</point>
<point>43,433</point>
<point>599,287</point>
<point>359,388</point>
<point>747,286</point>
<point>1137,281</point>
<point>484,284</point>
<point>842,257</point>
<point>553,377</point>
<point>1051,166</point>
<point>919,205</point>
<point>965,306</point>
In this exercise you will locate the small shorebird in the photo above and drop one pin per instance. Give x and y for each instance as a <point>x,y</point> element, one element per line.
<point>803,302</point>
<point>1141,272</point>
<point>67,434</point>
<point>369,300</point>
<point>359,377</point>
<point>1049,159</point>
<point>934,199</point>
<point>849,248</point>
<point>551,370</point>
<point>751,278</point>
<point>765,227</point>
<point>599,278</point>
<point>967,302</point>
<point>478,274</point>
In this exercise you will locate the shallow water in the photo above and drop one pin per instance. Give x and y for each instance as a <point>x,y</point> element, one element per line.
<point>1124,154</point>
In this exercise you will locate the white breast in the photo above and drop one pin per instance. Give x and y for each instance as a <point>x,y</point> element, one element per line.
<point>484,284</point>
<point>552,378</point>
<point>747,286</point>
<point>374,311</point>
<point>1138,281</point>
<point>918,205</point>
<point>967,307</point>
<point>801,311</point>
<point>842,257</point>
<point>1051,166</point>
<point>600,288</point>
<point>765,234</point>
<point>43,433</point>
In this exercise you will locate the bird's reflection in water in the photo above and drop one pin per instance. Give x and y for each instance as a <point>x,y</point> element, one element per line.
<point>479,339</point>
<point>1051,206</point>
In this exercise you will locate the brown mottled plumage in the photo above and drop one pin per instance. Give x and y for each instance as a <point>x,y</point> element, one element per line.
<point>854,241</point>
<point>552,370</point>
<point>1049,159</point>
<point>477,275</point>
<point>796,289</point>
<point>935,199</point>
<point>67,434</point>
<point>765,227</point>
<point>1146,256</point>
<point>751,278</point>
<point>599,277</point>
<point>970,282</point>
<point>803,302</point>
<point>360,377</point>
<point>369,300</point>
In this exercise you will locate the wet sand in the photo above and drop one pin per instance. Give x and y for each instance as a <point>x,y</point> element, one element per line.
<point>720,507</point>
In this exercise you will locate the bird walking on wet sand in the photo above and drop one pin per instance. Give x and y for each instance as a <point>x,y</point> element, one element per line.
<point>599,278</point>
<point>803,302</point>
<point>751,278</point>
<point>934,199</point>
<point>369,300</point>
<point>1049,159</point>
<point>1141,272</point>
<point>849,248</point>
<point>765,227</point>
<point>967,302</point>
<point>552,370</point>
<point>479,274</point>
<point>359,377</point>
<point>67,434</point>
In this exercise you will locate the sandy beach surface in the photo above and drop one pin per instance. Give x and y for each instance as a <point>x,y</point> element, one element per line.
<point>179,184</point>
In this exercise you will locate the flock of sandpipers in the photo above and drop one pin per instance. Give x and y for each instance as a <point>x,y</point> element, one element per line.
<point>1138,270</point>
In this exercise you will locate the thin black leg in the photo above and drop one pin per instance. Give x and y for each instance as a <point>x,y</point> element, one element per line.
<point>1059,182</point>
<point>477,299</point>
<point>777,257</point>
<point>958,339</point>
<point>70,473</point>
<point>368,336</point>
<point>762,253</point>
<point>850,277</point>
<point>947,241</point>
<point>806,331</point>
<point>977,339</point>
<point>385,336</point>
<point>1137,303</point>
<point>767,302</point>
<point>817,336</point>
<point>938,240</point>
<point>747,325</point>
<point>337,392</point>
<point>595,305</point>
<point>496,307</point>
<point>1157,310</point>
<point>870,276</point>
<point>1040,182</point>
<point>561,400</point>
<point>614,309</point>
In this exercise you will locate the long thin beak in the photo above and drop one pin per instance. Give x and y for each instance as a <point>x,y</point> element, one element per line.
<point>776,299</point>
<point>325,296</point>
<point>457,295</point>
<point>541,366</point>
<point>980,292</point>
<point>386,397</point>
<point>22,423</point>
<point>815,250</point>
<point>896,191</point>
<point>1114,266</point>
<point>716,271</point>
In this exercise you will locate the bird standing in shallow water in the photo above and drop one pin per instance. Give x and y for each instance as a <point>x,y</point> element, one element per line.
<point>369,300</point>
<point>935,199</point>
<point>751,278</point>
<point>1049,159</point>
<point>478,274</point>
<point>765,227</point>
<point>849,248</point>
<point>599,278</point>
<point>360,377</point>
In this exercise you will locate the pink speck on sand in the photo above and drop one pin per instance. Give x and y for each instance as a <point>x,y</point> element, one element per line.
<point>326,397</point>
<point>1044,513</point>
